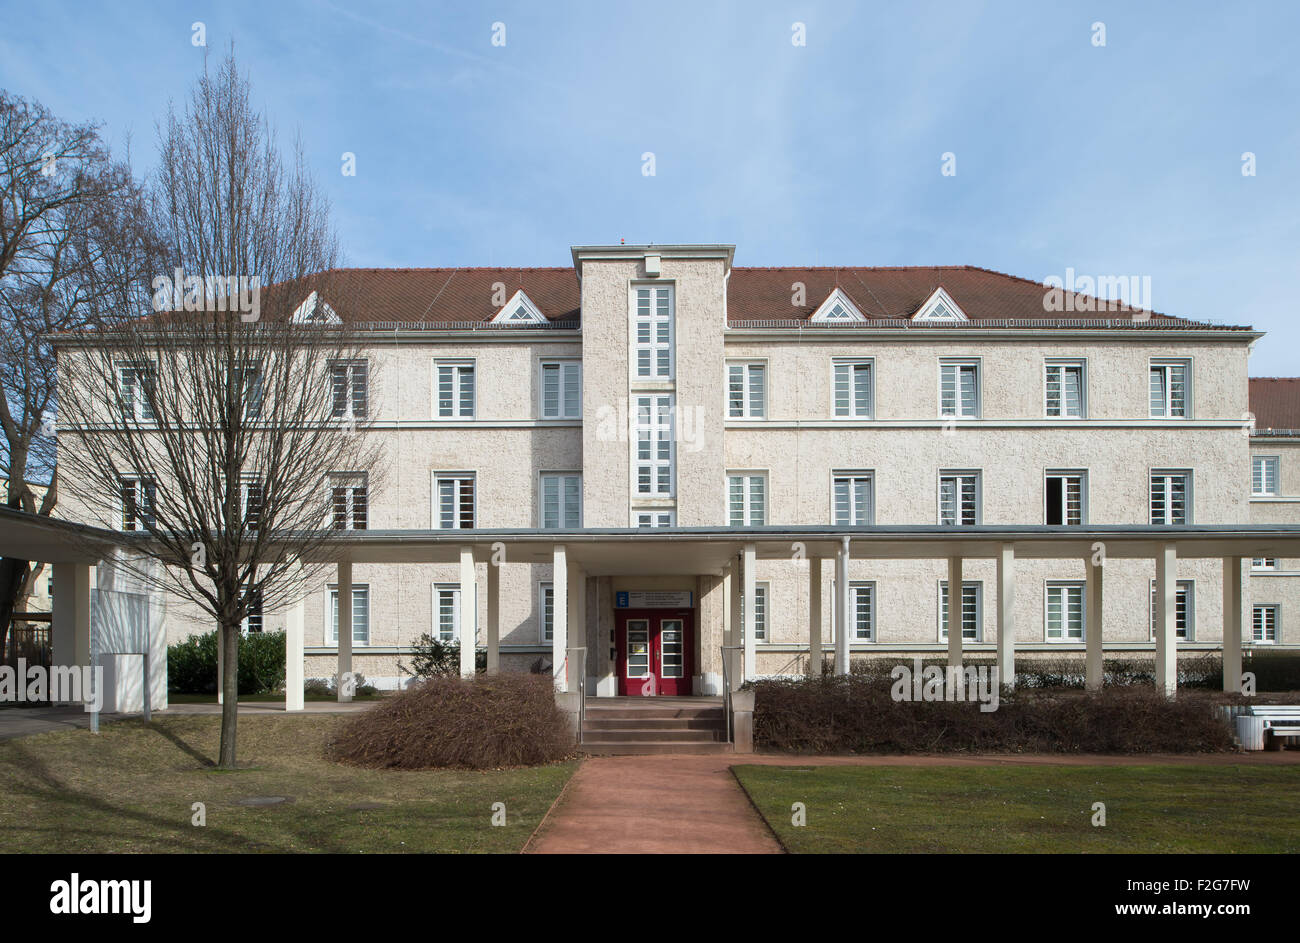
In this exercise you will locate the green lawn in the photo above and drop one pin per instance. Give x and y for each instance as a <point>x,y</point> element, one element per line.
<point>132,787</point>
<point>174,698</point>
<point>1155,809</point>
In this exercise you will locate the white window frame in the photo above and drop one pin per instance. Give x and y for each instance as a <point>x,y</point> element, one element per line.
<point>350,482</point>
<point>562,503</point>
<point>1164,365</point>
<point>1263,564</point>
<point>940,299</point>
<point>851,476</point>
<point>1168,474</point>
<point>248,482</point>
<point>460,368</point>
<point>140,411</point>
<point>966,585</point>
<point>960,473</point>
<point>958,364</point>
<point>350,378</point>
<point>246,625</point>
<point>856,587</point>
<point>543,588</point>
<point>1066,473</point>
<point>1187,589</point>
<point>331,616</point>
<point>252,405</point>
<point>851,410</point>
<point>654,517</point>
<point>826,311</point>
<point>1065,364</point>
<point>1262,468</point>
<point>519,301</point>
<point>133,523</point>
<point>762,613</point>
<point>1066,587</point>
<point>1255,634</point>
<point>749,409</point>
<point>564,409</point>
<point>457,476</point>
<point>656,432</point>
<point>436,630</point>
<point>748,477</point>
<point>653,319</point>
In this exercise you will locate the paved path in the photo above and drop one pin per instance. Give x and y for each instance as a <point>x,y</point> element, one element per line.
<point>654,804</point>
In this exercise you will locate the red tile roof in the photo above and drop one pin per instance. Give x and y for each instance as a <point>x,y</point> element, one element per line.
<point>1275,401</point>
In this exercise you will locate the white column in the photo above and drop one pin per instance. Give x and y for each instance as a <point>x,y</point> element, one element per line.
<point>842,617</point>
<point>954,612</point>
<point>1167,619</point>
<point>1232,599</point>
<point>295,619</point>
<point>751,589</point>
<point>468,612</point>
<point>733,612</point>
<point>345,630</point>
<point>494,616</point>
<point>70,616</point>
<point>559,616</point>
<point>1006,615</point>
<point>814,617</point>
<point>577,634</point>
<point>1092,631</point>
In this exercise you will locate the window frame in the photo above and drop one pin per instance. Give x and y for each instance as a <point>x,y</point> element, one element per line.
<point>1065,364</point>
<point>436,627</point>
<point>461,367</point>
<point>654,345</point>
<point>562,506</point>
<point>138,405</point>
<point>350,366</point>
<point>979,611</point>
<point>979,495</point>
<point>855,587</point>
<point>1082,475</point>
<point>654,429</point>
<point>653,513</point>
<point>977,365</point>
<point>1082,587</point>
<point>852,475</point>
<point>1276,609</point>
<point>331,615</point>
<point>1164,364</point>
<point>135,523</point>
<point>1188,493</point>
<point>747,503</point>
<point>458,476</point>
<point>544,587</point>
<point>1269,461</point>
<point>561,364</point>
<point>1187,588</point>
<point>350,482</point>
<point>747,368</point>
<point>850,363</point>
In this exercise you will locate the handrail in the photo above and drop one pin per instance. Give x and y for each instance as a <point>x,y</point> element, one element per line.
<point>582,686</point>
<point>726,687</point>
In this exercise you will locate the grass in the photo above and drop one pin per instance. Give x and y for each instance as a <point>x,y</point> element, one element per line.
<point>1040,809</point>
<point>132,787</point>
<point>175,698</point>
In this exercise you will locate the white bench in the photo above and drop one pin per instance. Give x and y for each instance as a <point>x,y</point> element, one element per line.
<point>1280,720</point>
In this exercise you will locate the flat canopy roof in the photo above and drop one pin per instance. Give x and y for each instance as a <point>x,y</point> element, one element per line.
<point>33,537</point>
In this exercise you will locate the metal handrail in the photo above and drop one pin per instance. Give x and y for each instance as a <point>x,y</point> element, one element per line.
<point>582,686</point>
<point>726,687</point>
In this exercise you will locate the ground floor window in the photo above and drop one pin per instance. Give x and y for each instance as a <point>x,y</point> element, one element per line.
<point>1263,622</point>
<point>760,612</point>
<point>253,621</point>
<point>862,609</point>
<point>446,612</point>
<point>1184,610</point>
<point>546,609</point>
<point>972,614</point>
<point>360,615</point>
<point>1064,618</point>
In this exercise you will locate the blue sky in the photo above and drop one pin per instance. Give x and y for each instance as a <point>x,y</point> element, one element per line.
<point>1119,160</point>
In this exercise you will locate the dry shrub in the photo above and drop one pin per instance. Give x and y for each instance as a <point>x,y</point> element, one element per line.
<point>857,715</point>
<point>489,722</point>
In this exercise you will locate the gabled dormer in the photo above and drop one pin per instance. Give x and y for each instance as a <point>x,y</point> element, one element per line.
<point>838,307</point>
<point>940,307</point>
<point>519,310</point>
<point>315,311</point>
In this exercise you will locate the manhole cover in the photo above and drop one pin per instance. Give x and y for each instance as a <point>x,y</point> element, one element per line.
<point>264,800</point>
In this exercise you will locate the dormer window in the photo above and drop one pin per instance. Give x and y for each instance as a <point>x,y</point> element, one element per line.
<point>838,307</point>
<point>315,311</point>
<point>940,307</point>
<point>519,310</point>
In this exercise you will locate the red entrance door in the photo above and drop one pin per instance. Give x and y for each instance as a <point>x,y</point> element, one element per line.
<point>654,651</point>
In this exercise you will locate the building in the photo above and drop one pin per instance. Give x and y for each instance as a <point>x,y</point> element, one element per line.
<point>1275,499</point>
<point>673,456</point>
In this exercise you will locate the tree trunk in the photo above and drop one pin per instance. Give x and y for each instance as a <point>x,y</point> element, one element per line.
<point>229,641</point>
<point>13,575</point>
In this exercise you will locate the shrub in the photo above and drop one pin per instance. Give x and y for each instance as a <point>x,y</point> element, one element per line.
<point>192,664</point>
<point>328,687</point>
<point>486,722</point>
<point>856,714</point>
<point>434,658</point>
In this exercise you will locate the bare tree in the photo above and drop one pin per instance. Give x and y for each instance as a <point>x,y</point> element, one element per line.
<point>63,205</point>
<point>226,426</point>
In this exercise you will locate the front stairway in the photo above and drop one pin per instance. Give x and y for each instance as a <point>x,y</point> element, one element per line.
<point>641,725</point>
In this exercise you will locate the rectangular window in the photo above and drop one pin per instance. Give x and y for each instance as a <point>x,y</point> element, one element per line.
<point>360,614</point>
<point>654,445</point>
<point>253,621</point>
<point>455,389</point>
<point>248,387</point>
<point>136,391</point>
<point>1169,389</point>
<point>1064,498</point>
<point>959,498</point>
<point>446,612</point>
<point>1263,474</point>
<point>747,500</point>
<point>1065,389</point>
<point>546,610</point>
<point>959,392</point>
<point>656,519</point>
<point>252,495</point>
<point>746,390</point>
<point>852,498</point>
<point>1171,497</point>
<point>1065,615</point>
<point>561,500</point>
<point>1263,563</point>
<point>862,603</point>
<point>349,502</point>
<point>1263,624</point>
<point>561,389</point>
<point>350,382</point>
<point>972,617</point>
<point>853,393</point>
<point>455,502</point>
<point>1183,610</point>
<point>654,332</point>
<point>760,612</point>
<point>138,496</point>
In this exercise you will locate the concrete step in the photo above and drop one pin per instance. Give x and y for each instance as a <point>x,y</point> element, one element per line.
<point>647,747</point>
<point>632,735</point>
<point>601,722</point>
<point>663,713</point>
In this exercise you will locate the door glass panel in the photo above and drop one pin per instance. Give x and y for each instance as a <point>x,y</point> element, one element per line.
<point>670,648</point>
<point>638,648</point>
